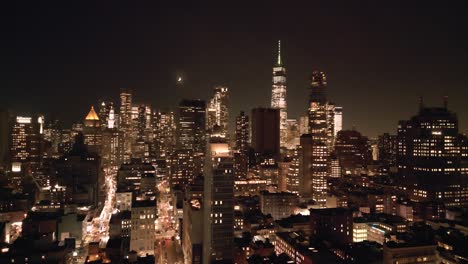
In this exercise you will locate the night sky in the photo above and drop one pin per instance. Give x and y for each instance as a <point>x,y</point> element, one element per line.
<point>60,59</point>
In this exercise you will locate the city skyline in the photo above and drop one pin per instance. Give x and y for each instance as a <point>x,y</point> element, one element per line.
<point>394,56</point>
<point>220,133</point>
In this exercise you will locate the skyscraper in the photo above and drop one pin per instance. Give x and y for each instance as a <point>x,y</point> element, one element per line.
<point>125,123</point>
<point>92,132</point>
<point>217,110</point>
<point>338,120</point>
<point>25,144</point>
<point>266,131</point>
<point>320,137</point>
<point>164,133</point>
<point>278,94</point>
<point>218,215</point>
<point>242,132</point>
<point>432,157</point>
<point>104,112</point>
<point>353,151</point>
<point>318,107</point>
<point>191,125</point>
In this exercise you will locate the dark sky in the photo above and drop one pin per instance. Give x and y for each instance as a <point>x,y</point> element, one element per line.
<point>59,59</point>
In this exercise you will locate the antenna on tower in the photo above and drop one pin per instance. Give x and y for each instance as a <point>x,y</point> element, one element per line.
<point>446,102</point>
<point>279,53</point>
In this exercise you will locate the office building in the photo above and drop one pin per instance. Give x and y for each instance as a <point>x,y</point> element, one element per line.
<point>279,205</point>
<point>338,120</point>
<point>410,253</point>
<point>353,151</point>
<point>125,122</point>
<point>92,132</point>
<point>182,168</point>
<point>266,131</point>
<point>218,203</point>
<point>432,157</point>
<point>191,125</point>
<point>242,132</point>
<point>25,143</point>
<point>332,224</point>
<point>218,111</point>
<point>143,232</point>
<point>164,133</point>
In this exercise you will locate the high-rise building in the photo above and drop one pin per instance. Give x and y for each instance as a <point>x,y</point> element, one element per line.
<point>304,124</point>
<point>321,135</point>
<point>278,94</point>
<point>92,132</point>
<point>79,170</point>
<point>432,157</point>
<point>26,143</point>
<point>104,112</point>
<point>125,122</point>
<point>266,131</point>
<point>292,134</point>
<point>142,122</point>
<point>164,133</point>
<point>182,168</point>
<point>111,147</point>
<point>353,151</point>
<point>218,204</point>
<point>292,179</point>
<point>338,120</point>
<point>387,145</point>
<point>318,107</point>
<point>217,110</point>
<point>242,132</point>
<point>191,126</point>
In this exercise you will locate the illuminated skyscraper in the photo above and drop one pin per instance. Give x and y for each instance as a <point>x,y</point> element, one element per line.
<point>25,144</point>
<point>320,137</point>
<point>191,126</point>
<point>181,168</point>
<point>338,120</point>
<point>164,133</point>
<point>278,94</point>
<point>104,112</point>
<point>242,132</point>
<point>218,214</point>
<point>217,110</point>
<point>142,122</point>
<point>125,122</point>
<point>92,132</point>
<point>318,107</point>
<point>111,147</point>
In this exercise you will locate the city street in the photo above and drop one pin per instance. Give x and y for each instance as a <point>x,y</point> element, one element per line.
<point>168,248</point>
<point>99,228</point>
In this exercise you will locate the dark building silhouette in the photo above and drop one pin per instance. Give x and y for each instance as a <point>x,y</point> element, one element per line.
<point>266,131</point>
<point>432,157</point>
<point>352,150</point>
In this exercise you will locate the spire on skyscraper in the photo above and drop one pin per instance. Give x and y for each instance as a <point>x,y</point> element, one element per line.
<point>279,53</point>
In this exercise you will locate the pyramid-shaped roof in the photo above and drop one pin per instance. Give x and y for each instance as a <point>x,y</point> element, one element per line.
<point>92,114</point>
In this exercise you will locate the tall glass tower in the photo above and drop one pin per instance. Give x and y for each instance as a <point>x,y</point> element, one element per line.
<point>278,94</point>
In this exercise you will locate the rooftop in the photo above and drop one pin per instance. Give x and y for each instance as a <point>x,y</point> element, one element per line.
<point>92,114</point>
